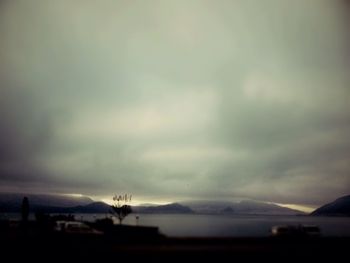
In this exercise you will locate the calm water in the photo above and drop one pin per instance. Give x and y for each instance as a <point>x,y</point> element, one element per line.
<point>181,225</point>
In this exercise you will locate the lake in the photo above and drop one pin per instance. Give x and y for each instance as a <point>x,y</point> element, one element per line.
<point>198,225</point>
<point>184,225</point>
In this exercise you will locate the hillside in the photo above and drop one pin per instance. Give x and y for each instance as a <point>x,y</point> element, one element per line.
<point>11,202</point>
<point>339,207</point>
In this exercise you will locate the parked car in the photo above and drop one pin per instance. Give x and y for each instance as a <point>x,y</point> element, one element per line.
<point>296,231</point>
<point>74,227</point>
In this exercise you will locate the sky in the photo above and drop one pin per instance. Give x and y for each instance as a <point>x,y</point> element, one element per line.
<point>175,100</point>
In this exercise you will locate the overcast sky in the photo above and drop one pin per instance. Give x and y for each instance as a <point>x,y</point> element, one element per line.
<point>174,100</point>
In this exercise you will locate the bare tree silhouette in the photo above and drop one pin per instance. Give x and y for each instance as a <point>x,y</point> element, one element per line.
<point>121,207</point>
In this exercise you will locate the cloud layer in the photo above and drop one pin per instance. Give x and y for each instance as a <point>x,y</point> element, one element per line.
<point>183,99</point>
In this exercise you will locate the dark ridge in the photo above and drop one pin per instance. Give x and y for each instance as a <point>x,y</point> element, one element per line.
<point>339,207</point>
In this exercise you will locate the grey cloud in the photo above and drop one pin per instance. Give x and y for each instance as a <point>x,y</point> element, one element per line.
<point>188,98</point>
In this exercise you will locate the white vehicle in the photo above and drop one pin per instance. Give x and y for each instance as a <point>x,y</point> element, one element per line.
<point>293,231</point>
<point>74,227</point>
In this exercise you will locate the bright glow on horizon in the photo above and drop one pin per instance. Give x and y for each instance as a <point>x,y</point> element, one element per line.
<point>302,208</point>
<point>73,195</point>
<point>153,201</point>
<point>134,202</point>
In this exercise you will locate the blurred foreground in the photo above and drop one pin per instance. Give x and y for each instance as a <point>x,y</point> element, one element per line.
<point>63,240</point>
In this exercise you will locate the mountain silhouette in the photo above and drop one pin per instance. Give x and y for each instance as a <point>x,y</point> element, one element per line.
<point>243,207</point>
<point>339,207</point>
<point>11,202</point>
<point>173,208</point>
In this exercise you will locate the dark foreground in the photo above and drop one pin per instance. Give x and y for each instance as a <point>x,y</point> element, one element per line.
<point>145,244</point>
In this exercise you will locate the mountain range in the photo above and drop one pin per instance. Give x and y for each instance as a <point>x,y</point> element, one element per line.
<point>11,203</point>
<point>241,207</point>
<point>82,204</point>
